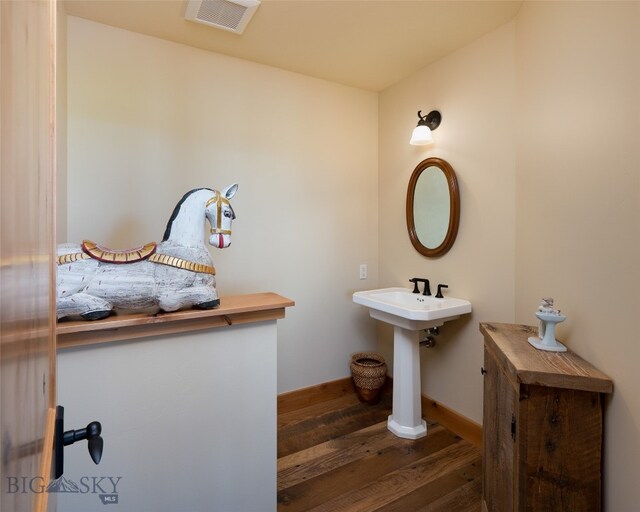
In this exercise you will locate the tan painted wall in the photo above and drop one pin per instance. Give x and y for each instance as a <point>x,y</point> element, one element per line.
<point>150,120</point>
<point>61,123</point>
<point>474,90</point>
<point>541,121</point>
<point>578,200</point>
<point>540,117</point>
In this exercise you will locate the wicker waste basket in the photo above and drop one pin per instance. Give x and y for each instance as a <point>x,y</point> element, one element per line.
<point>369,372</point>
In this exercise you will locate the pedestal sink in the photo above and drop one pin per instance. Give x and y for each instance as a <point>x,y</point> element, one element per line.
<point>409,313</point>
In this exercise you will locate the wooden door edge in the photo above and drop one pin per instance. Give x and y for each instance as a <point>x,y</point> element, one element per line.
<point>40,504</point>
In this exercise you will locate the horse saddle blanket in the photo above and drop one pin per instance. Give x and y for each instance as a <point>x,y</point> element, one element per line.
<point>146,252</point>
<point>100,253</point>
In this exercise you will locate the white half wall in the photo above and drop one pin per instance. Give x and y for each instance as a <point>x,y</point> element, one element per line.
<point>188,421</point>
<point>149,120</point>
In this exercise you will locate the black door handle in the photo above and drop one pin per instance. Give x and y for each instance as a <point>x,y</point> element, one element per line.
<point>91,433</point>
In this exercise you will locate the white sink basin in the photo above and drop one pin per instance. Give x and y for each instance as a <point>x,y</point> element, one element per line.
<point>409,313</point>
<point>413,311</point>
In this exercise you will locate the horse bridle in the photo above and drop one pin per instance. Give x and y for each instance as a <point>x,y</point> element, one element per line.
<point>220,201</point>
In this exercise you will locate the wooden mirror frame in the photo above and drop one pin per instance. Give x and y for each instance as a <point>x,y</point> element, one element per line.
<point>454,207</point>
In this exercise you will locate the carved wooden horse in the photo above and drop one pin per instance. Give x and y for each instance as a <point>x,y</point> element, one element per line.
<point>176,273</point>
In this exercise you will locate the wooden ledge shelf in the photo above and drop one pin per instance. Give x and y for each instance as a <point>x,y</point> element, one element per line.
<point>233,310</point>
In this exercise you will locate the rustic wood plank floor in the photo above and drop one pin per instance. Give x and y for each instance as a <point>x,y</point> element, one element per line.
<point>338,455</point>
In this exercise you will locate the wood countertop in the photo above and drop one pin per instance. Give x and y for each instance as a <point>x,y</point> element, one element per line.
<point>233,310</point>
<point>527,365</point>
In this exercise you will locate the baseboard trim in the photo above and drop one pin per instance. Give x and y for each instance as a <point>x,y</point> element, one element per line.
<point>460,425</point>
<point>432,410</point>
<point>300,398</point>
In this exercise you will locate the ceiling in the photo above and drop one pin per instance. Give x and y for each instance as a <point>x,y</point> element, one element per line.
<point>369,44</point>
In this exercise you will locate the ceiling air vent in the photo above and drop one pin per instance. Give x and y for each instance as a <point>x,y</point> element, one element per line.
<point>231,15</point>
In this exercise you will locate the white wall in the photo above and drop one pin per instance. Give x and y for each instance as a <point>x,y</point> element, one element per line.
<point>189,421</point>
<point>474,90</point>
<point>149,120</point>
<point>578,201</point>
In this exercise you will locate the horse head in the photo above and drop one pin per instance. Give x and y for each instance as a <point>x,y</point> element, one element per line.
<point>220,215</point>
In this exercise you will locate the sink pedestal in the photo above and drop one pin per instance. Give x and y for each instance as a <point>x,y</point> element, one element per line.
<point>409,313</point>
<point>406,417</point>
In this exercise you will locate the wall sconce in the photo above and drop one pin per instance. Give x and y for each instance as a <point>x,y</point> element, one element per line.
<point>422,133</point>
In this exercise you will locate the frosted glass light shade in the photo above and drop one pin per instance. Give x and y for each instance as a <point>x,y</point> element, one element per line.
<point>421,136</point>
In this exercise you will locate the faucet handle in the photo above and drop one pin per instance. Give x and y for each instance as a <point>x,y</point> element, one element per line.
<point>440,287</point>
<point>414,280</point>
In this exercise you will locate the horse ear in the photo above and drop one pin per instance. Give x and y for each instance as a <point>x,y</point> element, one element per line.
<point>230,191</point>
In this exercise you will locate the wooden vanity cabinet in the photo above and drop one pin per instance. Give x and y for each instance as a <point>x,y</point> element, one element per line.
<point>542,426</point>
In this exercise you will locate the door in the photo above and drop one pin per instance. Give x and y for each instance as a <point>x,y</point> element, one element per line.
<point>27,300</point>
<point>498,438</point>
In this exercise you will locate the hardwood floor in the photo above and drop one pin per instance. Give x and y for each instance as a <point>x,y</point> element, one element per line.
<point>337,454</point>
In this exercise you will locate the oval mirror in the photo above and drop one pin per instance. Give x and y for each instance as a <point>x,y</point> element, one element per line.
<point>433,207</point>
